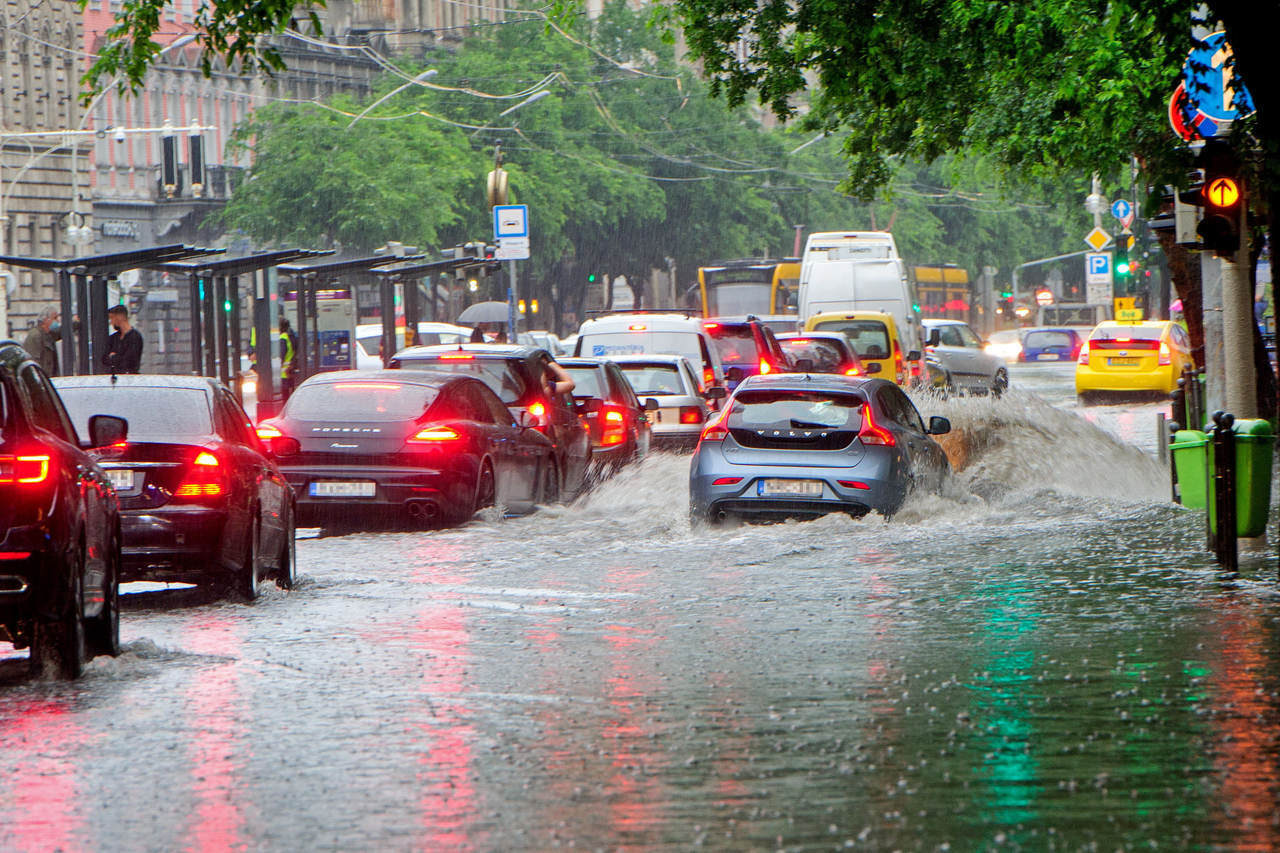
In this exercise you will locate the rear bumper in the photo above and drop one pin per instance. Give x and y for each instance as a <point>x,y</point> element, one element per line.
<point>30,586</point>
<point>394,489</point>
<point>674,436</point>
<point>171,542</point>
<point>1163,379</point>
<point>748,496</point>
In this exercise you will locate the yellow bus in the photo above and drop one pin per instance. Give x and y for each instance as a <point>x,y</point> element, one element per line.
<point>759,286</point>
<point>942,291</point>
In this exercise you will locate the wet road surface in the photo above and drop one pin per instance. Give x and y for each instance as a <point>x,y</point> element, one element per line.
<point>1042,658</point>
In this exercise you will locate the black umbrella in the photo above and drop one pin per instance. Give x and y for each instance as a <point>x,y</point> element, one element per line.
<point>484,312</point>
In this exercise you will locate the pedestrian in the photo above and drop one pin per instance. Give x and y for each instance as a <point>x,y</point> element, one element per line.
<point>501,337</point>
<point>41,339</point>
<point>477,334</point>
<point>288,359</point>
<point>124,347</point>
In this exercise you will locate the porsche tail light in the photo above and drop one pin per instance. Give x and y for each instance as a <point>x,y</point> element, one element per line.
<point>435,435</point>
<point>872,432</point>
<point>25,469</point>
<point>204,479</point>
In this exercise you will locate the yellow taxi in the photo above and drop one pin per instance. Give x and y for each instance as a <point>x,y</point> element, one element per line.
<point>1147,355</point>
<point>873,336</point>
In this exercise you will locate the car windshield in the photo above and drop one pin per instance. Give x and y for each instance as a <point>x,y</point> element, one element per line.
<point>747,297</point>
<point>586,381</point>
<point>825,355</point>
<point>355,400</point>
<point>154,414</point>
<point>869,338</point>
<point>640,341</point>
<point>795,410</point>
<point>1048,340</point>
<point>1127,333</point>
<point>653,379</point>
<point>498,373</point>
<point>734,344</point>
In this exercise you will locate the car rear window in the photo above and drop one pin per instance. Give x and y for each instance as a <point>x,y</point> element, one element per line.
<point>154,414</point>
<point>500,374</point>
<point>586,381</point>
<point>355,400</point>
<point>786,411</point>
<point>736,345</point>
<point>869,338</point>
<point>825,355</point>
<point>1048,340</point>
<point>1129,333</point>
<point>653,380</point>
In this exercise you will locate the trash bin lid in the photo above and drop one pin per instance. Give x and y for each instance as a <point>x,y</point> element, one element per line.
<point>1254,428</point>
<point>1189,438</point>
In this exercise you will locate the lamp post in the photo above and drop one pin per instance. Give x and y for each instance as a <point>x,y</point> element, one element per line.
<point>416,81</point>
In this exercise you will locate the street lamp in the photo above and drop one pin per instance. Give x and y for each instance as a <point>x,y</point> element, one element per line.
<point>536,96</point>
<point>416,81</point>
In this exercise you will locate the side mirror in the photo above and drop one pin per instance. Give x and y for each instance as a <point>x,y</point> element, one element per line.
<point>526,420</point>
<point>935,337</point>
<point>715,392</point>
<point>914,355</point>
<point>804,365</point>
<point>873,367</point>
<point>651,405</point>
<point>105,430</point>
<point>939,425</point>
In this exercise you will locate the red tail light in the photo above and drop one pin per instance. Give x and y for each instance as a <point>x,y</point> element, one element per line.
<point>1083,358</point>
<point>708,377</point>
<point>457,356</point>
<point>716,430</point>
<point>266,432</point>
<point>25,470</point>
<point>14,555</point>
<point>435,435</point>
<point>765,367</point>
<point>1166,356</point>
<point>691,414</point>
<point>538,410</point>
<point>872,432</point>
<point>897,361</point>
<point>853,371</point>
<point>853,484</point>
<point>204,479</point>
<point>726,481</point>
<point>710,326</point>
<point>615,425</point>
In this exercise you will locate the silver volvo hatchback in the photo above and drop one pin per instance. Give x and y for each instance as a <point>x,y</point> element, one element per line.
<point>797,445</point>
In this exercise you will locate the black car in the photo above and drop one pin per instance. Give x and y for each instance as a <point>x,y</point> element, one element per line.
<point>200,500</point>
<point>433,446</point>
<point>746,346</point>
<point>59,525</point>
<point>515,374</point>
<point>619,422</point>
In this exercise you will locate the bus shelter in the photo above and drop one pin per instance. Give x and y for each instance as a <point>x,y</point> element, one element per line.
<point>82,290</point>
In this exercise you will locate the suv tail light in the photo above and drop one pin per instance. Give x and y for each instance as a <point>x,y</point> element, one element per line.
<point>1083,358</point>
<point>872,432</point>
<point>538,410</point>
<point>765,367</point>
<point>691,414</point>
<point>614,420</point>
<point>1166,356</point>
<point>708,377</point>
<point>204,479</point>
<point>25,470</point>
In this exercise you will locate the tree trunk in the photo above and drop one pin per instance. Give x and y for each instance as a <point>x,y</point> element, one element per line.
<point>1184,270</point>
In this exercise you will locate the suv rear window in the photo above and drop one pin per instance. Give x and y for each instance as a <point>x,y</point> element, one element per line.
<point>736,345</point>
<point>500,374</point>
<point>154,414</point>
<point>358,401</point>
<point>586,381</point>
<point>869,338</point>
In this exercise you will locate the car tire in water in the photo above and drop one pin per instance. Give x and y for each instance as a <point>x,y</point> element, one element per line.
<point>486,488</point>
<point>549,489</point>
<point>245,582</point>
<point>287,573</point>
<point>58,645</point>
<point>103,633</point>
<point>1001,383</point>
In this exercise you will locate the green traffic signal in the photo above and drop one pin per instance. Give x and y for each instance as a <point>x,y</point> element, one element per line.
<point>591,277</point>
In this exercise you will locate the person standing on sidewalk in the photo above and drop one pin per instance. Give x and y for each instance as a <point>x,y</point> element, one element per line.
<point>41,341</point>
<point>124,347</point>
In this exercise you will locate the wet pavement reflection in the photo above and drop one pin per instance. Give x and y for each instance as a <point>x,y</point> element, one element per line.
<point>1043,657</point>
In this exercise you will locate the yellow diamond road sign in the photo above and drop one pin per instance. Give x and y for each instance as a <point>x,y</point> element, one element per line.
<point>1097,238</point>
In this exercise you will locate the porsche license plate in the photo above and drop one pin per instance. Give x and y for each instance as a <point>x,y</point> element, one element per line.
<point>335,489</point>
<point>121,479</point>
<point>1123,362</point>
<point>791,488</point>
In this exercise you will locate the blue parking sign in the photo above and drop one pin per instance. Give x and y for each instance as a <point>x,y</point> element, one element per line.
<point>1097,268</point>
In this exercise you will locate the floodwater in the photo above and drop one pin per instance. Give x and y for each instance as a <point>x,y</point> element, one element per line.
<point>1042,658</point>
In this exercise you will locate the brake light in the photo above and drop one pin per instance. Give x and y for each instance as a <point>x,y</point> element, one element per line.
<point>457,356</point>
<point>765,367</point>
<point>203,480</point>
<point>872,432</point>
<point>207,459</point>
<point>24,470</point>
<point>691,414</point>
<point>853,484</point>
<point>14,555</point>
<point>716,430</point>
<point>1083,358</point>
<point>615,425</point>
<point>897,360</point>
<point>708,377</point>
<point>726,481</point>
<point>798,341</point>
<point>709,326</point>
<point>1166,357</point>
<point>433,435</point>
<point>538,410</point>
<point>853,371</point>
<point>637,327</point>
<point>268,432</point>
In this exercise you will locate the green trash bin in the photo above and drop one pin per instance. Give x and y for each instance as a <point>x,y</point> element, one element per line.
<point>1254,442</point>
<point>1191,462</point>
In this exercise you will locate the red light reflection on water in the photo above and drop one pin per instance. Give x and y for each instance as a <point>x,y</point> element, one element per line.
<point>217,749</point>
<point>39,792</point>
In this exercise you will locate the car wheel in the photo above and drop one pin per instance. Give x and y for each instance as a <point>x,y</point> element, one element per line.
<point>103,633</point>
<point>486,488</point>
<point>549,492</point>
<point>1001,383</point>
<point>287,574</point>
<point>246,580</point>
<point>58,645</point>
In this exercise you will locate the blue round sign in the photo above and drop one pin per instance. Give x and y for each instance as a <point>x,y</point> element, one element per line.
<point>1121,209</point>
<point>1214,97</point>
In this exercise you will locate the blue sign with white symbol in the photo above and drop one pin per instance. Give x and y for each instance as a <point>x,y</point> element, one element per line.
<point>1120,209</point>
<point>1100,264</point>
<point>1214,97</point>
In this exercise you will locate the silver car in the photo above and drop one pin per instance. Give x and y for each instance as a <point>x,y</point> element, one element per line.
<point>966,366</point>
<point>683,405</point>
<point>795,445</point>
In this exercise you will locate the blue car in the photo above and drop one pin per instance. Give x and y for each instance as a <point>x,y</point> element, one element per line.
<point>1055,344</point>
<point>803,445</point>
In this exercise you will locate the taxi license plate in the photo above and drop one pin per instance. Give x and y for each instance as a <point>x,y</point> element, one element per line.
<point>121,479</point>
<point>798,488</point>
<point>1123,362</point>
<point>1048,356</point>
<point>333,489</point>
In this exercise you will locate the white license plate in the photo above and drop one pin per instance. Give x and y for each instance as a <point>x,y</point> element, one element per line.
<point>1048,356</point>
<point>334,489</point>
<point>801,488</point>
<point>121,479</point>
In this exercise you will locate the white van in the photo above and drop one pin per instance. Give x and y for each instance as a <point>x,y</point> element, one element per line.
<point>649,334</point>
<point>848,246</point>
<point>856,286</point>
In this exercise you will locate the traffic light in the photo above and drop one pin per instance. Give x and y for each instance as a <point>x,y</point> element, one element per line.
<point>1222,197</point>
<point>591,278</point>
<point>1124,269</point>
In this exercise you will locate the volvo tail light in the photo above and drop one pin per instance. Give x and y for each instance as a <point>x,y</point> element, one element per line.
<point>872,432</point>
<point>853,484</point>
<point>726,481</point>
<point>717,429</point>
<point>24,470</point>
<point>1083,358</point>
<point>691,414</point>
<point>615,425</point>
<point>204,479</point>
<point>1166,356</point>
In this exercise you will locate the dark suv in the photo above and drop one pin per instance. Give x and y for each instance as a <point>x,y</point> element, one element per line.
<point>515,374</point>
<point>620,431</point>
<point>746,346</point>
<point>59,525</point>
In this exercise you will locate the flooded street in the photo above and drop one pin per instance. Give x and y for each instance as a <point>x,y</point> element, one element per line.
<point>1044,657</point>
